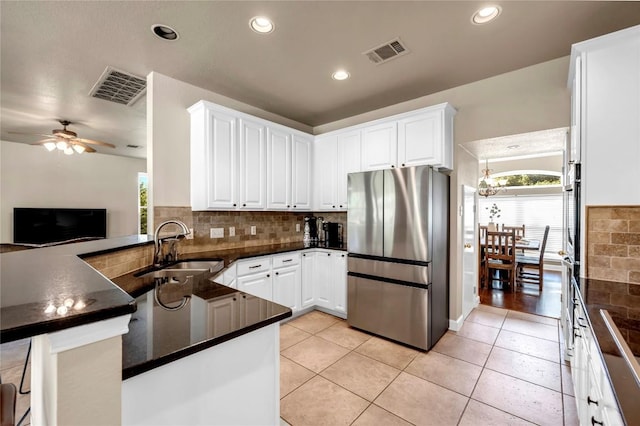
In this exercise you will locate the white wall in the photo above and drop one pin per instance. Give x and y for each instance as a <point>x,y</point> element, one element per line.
<point>33,177</point>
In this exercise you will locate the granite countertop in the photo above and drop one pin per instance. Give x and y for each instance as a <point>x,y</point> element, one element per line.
<point>158,335</point>
<point>622,301</point>
<point>37,283</point>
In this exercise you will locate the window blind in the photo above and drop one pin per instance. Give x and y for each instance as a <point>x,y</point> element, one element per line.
<point>534,211</point>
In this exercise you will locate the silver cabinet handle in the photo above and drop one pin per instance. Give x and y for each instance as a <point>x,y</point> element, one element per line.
<point>255,266</point>
<point>287,260</point>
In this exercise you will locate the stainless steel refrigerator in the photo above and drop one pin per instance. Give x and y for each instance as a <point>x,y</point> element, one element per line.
<point>398,264</point>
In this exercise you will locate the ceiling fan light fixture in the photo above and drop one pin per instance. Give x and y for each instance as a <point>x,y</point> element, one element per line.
<point>50,146</point>
<point>68,150</point>
<point>261,24</point>
<point>61,145</point>
<point>486,14</point>
<point>78,148</point>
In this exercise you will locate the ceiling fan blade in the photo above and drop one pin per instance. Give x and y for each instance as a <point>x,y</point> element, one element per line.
<point>87,148</point>
<point>32,134</point>
<point>94,142</point>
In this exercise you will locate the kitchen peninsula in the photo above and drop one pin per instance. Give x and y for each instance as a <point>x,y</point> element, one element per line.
<point>76,316</point>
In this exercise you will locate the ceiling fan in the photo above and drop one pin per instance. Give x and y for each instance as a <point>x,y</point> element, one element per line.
<point>66,140</point>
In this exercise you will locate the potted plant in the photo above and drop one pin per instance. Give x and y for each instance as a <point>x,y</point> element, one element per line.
<point>494,212</point>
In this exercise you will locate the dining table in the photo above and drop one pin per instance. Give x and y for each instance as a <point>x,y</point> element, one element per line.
<point>521,244</point>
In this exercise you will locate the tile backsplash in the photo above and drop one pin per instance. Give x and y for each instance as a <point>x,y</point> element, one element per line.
<point>613,243</point>
<point>271,227</point>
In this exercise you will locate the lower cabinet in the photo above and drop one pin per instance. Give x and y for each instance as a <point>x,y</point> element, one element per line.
<point>315,277</point>
<point>594,396</point>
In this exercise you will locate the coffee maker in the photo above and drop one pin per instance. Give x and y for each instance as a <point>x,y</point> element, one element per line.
<point>332,234</point>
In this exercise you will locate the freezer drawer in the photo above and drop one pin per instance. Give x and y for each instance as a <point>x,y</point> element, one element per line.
<point>394,311</point>
<point>410,273</point>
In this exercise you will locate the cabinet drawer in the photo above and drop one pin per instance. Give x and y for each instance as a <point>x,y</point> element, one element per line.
<point>253,266</point>
<point>286,259</point>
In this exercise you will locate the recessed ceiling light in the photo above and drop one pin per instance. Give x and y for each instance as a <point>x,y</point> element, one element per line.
<point>261,24</point>
<point>340,75</point>
<point>486,14</point>
<point>164,32</point>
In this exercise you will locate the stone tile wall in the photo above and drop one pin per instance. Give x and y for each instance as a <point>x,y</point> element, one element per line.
<point>613,243</point>
<point>118,263</point>
<point>271,227</point>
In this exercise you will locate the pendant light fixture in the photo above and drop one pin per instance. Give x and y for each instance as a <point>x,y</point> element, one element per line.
<point>487,185</point>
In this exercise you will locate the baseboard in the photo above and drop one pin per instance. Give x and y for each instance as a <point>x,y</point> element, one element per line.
<point>477,301</point>
<point>456,325</point>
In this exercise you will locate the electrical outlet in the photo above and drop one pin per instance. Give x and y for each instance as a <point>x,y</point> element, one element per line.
<point>216,232</point>
<point>297,227</point>
<point>190,235</point>
<point>232,231</point>
<point>253,230</point>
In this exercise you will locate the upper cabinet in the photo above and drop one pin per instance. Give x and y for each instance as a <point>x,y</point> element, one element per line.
<point>214,159</point>
<point>605,78</point>
<point>243,162</point>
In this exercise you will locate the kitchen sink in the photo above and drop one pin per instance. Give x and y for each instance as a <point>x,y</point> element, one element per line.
<point>180,271</point>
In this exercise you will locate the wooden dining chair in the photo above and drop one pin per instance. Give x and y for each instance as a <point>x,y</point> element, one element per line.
<point>500,254</point>
<point>519,230</point>
<point>532,262</point>
<point>482,237</point>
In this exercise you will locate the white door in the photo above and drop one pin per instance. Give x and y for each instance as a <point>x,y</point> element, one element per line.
<point>221,160</point>
<point>258,285</point>
<point>380,146</point>
<point>420,140</point>
<point>469,254</point>
<point>340,282</point>
<point>349,161</point>
<point>323,284</point>
<point>308,278</point>
<point>325,167</point>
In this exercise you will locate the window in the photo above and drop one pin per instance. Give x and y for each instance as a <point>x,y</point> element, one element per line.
<point>143,188</point>
<point>534,211</point>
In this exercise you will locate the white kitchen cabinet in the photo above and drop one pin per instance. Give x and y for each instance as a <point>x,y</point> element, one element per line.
<point>596,403</point>
<point>279,169</point>
<point>325,167</point>
<point>349,161</point>
<point>308,268</point>
<point>286,286</point>
<point>221,316</point>
<point>339,282</point>
<point>323,287</point>
<point>287,276</point>
<point>214,162</point>
<point>426,138</point>
<point>253,152</point>
<point>258,284</point>
<point>380,146</point>
<point>606,74</point>
<point>301,172</point>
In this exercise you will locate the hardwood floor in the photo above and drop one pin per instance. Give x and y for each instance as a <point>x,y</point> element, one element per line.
<point>527,298</point>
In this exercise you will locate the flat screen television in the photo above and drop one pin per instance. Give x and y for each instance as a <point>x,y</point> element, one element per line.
<point>50,225</point>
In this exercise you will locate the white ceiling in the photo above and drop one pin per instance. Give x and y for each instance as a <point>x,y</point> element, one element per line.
<point>526,144</point>
<point>53,52</point>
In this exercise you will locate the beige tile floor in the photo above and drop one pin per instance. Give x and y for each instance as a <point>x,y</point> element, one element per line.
<point>502,367</point>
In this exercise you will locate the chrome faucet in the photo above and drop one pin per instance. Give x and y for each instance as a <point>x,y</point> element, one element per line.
<point>159,258</point>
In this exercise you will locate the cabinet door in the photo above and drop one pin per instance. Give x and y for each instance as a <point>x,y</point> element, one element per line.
<point>323,280</point>
<point>221,316</point>
<point>252,165</point>
<point>301,173</point>
<point>380,146</point>
<point>576,112</point>
<point>286,287</point>
<point>349,161</point>
<point>258,284</point>
<point>213,160</point>
<point>252,309</point>
<point>420,140</point>
<point>308,279</point>
<point>339,281</point>
<point>325,166</point>
<point>278,169</point>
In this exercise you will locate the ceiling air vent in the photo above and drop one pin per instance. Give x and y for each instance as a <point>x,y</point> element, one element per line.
<point>119,87</point>
<point>386,52</point>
